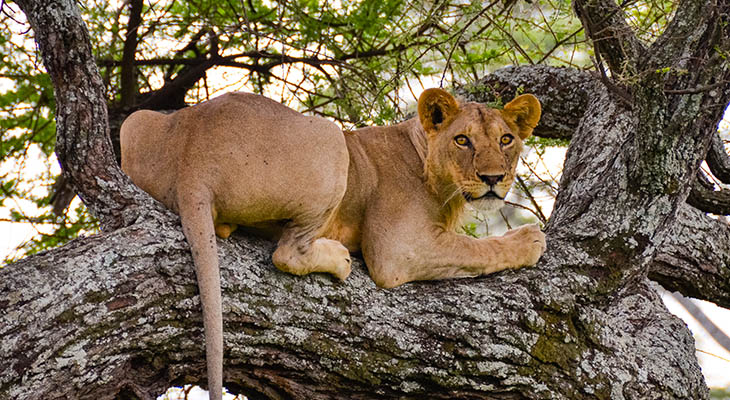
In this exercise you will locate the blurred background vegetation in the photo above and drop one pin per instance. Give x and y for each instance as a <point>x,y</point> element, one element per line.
<point>358,62</point>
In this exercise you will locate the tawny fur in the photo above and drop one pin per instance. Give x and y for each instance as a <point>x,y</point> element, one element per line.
<point>393,193</point>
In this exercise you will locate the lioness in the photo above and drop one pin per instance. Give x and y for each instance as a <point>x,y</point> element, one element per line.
<point>394,193</point>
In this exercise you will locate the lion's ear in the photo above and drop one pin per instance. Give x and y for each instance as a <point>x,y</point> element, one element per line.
<point>524,111</point>
<point>436,107</point>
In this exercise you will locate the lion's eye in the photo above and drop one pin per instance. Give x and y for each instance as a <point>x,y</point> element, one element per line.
<point>461,140</point>
<point>506,139</point>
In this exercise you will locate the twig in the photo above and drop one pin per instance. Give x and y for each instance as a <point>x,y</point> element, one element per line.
<point>538,210</point>
<point>696,90</point>
<point>518,205</point>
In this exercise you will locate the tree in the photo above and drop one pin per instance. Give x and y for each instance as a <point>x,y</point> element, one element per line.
<point>110,319</point>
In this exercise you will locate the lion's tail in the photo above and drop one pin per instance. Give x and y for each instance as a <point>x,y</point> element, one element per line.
<point>197,221</point>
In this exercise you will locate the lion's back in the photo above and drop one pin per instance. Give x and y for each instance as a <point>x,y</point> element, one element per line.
<point>277,161</point>
<point>251,152</point>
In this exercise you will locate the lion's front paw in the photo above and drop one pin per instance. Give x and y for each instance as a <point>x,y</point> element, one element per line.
<point>333,257</point>
<point>529,244</point>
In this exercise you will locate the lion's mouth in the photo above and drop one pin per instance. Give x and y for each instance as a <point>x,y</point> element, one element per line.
<point>488,195</point>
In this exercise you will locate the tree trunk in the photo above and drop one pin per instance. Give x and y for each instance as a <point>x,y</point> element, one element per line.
<point>116,314</point>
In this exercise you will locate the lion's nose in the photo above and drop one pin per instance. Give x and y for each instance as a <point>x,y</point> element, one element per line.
<point>491,180</point>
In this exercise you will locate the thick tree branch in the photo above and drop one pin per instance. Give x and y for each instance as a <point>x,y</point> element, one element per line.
<point>129,321</point>
<point>128,78</point>
<point>114,312</point>
<point>694,28</point>
<point>718,160</point>
<point>628,184</point>
<point>692,54</point>
<point>614,40</point>
<point>695,258</point>
<point>705,198</point>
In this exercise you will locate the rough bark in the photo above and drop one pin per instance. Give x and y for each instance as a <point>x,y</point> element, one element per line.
<point>704,197</point>
<point>614,40</point>
<point>718,160</point>
<point>118,313</point>
<point>695,258</point>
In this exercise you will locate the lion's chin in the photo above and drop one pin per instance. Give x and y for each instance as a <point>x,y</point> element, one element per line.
<point>487,204</point>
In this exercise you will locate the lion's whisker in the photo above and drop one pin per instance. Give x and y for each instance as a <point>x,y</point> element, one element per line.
<point>459,190</point>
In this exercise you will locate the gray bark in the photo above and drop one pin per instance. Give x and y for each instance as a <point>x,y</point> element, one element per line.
<point>117,313</point>
<point>695,258</point>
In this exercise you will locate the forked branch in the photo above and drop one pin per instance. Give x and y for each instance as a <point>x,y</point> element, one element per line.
<point>698,25</point>
<point>614,40</point>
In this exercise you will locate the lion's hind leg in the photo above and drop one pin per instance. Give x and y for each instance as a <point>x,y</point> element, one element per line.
<point>301,252</point>
<point>223,231</point>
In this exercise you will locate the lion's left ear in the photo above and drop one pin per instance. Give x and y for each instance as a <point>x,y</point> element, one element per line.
<point>524,111</point>
<point>436,108</point>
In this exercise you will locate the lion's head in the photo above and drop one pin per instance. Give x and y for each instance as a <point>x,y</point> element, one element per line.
<point>473,150</point>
